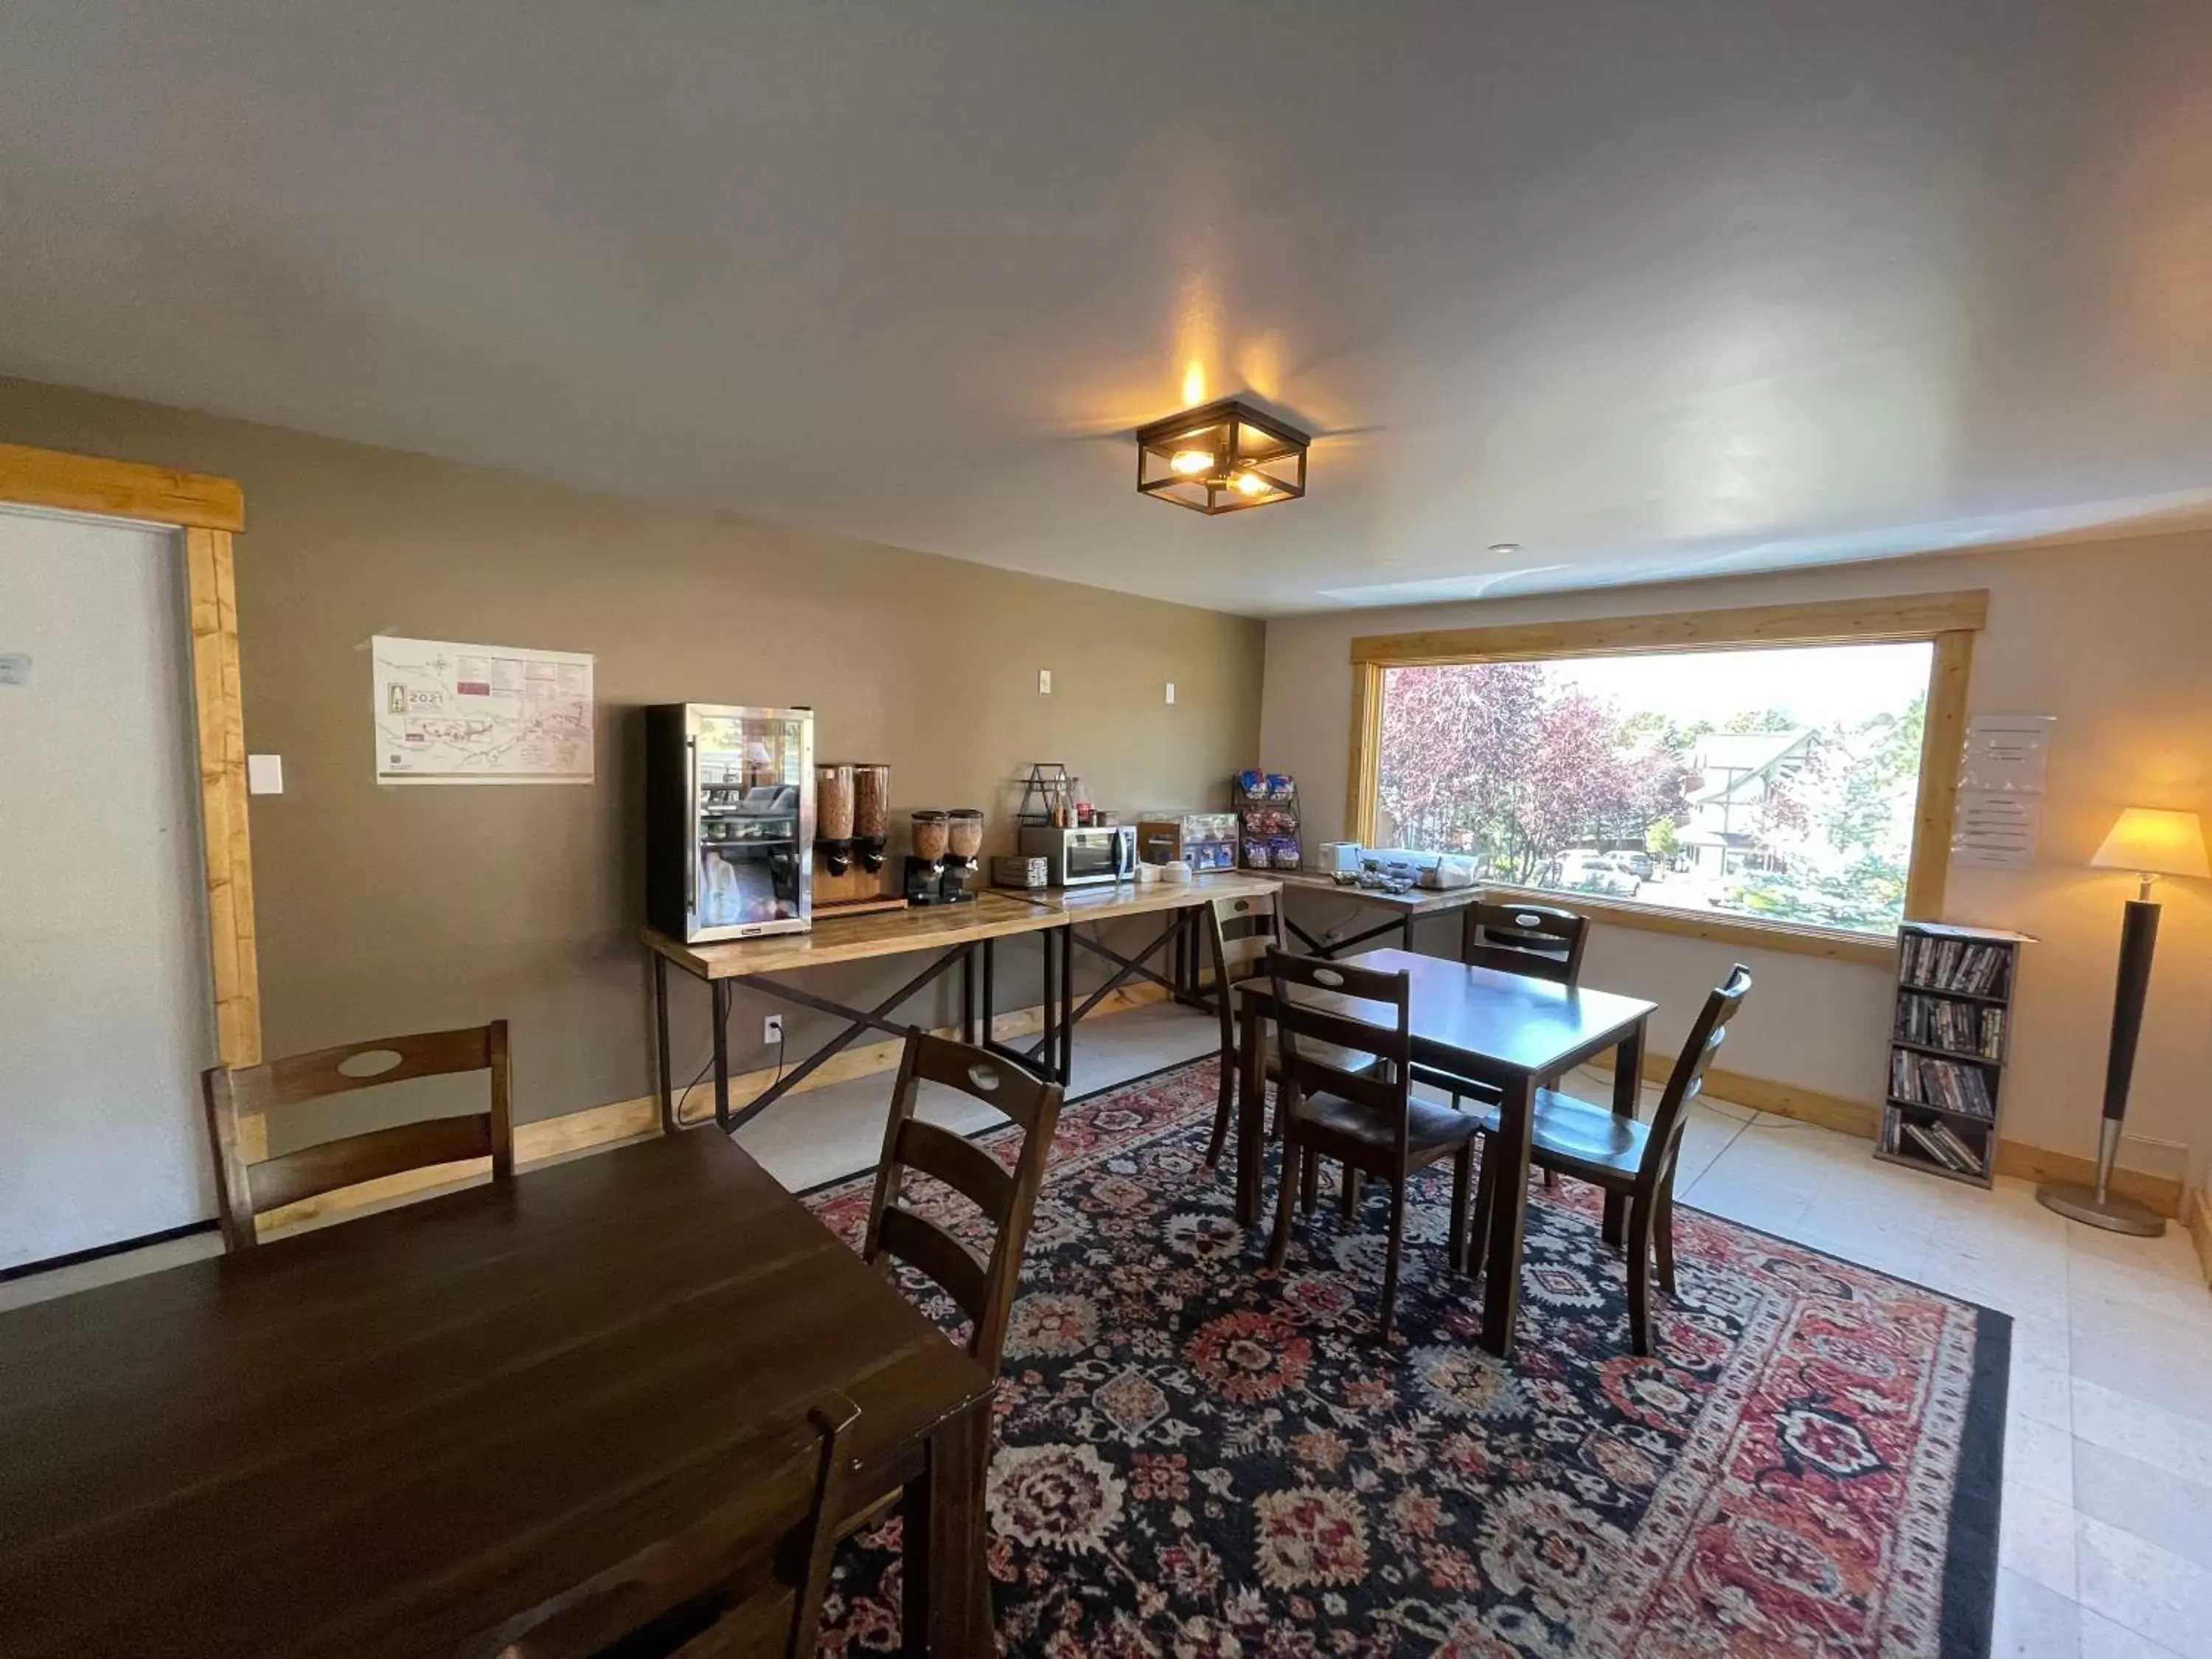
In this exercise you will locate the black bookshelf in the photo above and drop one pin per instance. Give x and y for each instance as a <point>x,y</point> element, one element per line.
<point>1950,1032</point>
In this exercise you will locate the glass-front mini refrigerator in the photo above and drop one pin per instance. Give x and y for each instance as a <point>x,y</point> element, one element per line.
<point>729,831</point>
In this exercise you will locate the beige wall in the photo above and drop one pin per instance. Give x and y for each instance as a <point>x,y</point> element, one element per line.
<point>2115,639</point>
<point>390,909</point>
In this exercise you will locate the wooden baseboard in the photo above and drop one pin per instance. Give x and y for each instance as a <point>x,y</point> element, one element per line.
<point>1862,1118</point>
<point>2040,1164</point>
<point>1837,1112</point>
<point>2196,1216</point>
<point>598,1128</point>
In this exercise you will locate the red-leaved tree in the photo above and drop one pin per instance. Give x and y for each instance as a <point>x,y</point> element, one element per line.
<point>1488,759</point>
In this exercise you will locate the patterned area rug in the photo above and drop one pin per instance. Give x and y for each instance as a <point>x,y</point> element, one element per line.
<point>1199,1457</point>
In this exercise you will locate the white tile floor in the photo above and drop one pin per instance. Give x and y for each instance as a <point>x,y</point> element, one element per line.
<point>2105,1550</point>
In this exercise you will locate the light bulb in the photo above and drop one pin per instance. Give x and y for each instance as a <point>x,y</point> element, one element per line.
<point>1191,460</point>
<point>1249,483</point>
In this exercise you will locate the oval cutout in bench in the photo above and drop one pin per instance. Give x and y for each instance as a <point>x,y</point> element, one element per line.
<point>1527,921</point>
<point>985,1077</point>
<point>371,1062</point>
<point>1328,976</point>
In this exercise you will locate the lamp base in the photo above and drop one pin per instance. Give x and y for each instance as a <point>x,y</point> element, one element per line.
<point>2113,1212</point>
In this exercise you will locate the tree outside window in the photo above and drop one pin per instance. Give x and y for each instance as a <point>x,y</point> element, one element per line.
<point>1775,783</point>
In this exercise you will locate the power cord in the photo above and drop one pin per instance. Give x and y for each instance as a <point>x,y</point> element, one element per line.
<point>676,1110</point>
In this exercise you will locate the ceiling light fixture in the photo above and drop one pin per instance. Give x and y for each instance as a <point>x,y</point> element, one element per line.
<point>1505,547</point>
<point>1222,459</point>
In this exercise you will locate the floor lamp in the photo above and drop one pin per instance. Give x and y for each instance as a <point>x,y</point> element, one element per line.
<point>2151,843</point>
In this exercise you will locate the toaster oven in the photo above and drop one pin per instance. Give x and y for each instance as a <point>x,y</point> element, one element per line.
<point>1084,858</point>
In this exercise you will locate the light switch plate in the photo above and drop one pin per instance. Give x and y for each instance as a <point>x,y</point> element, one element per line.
<point>1044,682</point>
<point>265,774</point>
<point>1170,691</point>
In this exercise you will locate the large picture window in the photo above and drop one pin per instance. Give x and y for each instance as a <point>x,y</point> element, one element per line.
<point>1788,769</point>
<point>1776,784</point>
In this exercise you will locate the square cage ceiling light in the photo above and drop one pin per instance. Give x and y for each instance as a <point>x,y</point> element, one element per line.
<point>1221,458</point>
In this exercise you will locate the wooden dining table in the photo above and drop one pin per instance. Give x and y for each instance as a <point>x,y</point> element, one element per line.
<point>1515,1033</point>
<point>386,1436</point>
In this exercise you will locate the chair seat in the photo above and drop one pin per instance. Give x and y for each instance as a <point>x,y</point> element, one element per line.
<point>1581,1136</point>
<point>1575,1136</point>
<point>1429,1127</point>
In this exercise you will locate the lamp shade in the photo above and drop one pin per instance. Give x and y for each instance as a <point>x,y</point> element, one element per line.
<point>2154,843</point>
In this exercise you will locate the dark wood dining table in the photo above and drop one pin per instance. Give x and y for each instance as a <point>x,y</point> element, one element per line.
<point>385,1437</point>
<point>1515,1033</point>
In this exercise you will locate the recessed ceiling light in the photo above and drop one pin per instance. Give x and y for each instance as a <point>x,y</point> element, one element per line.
<point>1505,547</point>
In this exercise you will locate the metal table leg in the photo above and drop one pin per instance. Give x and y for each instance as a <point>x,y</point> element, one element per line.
<point>1067,1005</point>
<point>1170,935</point>
<point>721,990</point>
<point>660,1043</point>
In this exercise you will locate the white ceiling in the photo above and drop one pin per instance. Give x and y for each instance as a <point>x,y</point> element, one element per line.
<point>1650,289</point>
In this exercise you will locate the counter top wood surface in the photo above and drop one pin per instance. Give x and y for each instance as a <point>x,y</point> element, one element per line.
<point>1414,900</point>
<point>994,914</point>
<point>381,1437</point>
<point>1128,898</point>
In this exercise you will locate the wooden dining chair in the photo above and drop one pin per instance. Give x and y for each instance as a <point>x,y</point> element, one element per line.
<point>1631,1160</point>
<point>253,1186</point>
<point>1539,941</point>
<point>744,1581</point>
<point>1240,932</point>
<point>1364,1113</point>
<point>983,1288</point>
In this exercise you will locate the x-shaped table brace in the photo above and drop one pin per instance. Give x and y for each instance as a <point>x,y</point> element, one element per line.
<point>859,1021</point>
<point>1328,949</point>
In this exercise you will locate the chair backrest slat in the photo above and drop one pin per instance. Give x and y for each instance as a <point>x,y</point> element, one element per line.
<point>299,1078</point>
<point>1688,1077</point>
<point>921,1242</point>
<point>330,1164</point>
<point>997,1082</point>
<point>250,1187</point>
<point>1240,932</point>
<point>961,1165</point>
<point>985,1289</point>
<point>1382,1087</point>
<point>1539,941</point>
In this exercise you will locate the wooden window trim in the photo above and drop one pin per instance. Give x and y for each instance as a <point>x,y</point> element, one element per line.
<point>1947,621</point>
<point>208,511</point>
<point>119,489</point>
<point>1903,620</point>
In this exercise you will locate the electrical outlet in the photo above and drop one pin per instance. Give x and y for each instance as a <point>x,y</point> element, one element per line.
<point>1044,682</point>
<point>1170,691</point>
<point>772,1029</point>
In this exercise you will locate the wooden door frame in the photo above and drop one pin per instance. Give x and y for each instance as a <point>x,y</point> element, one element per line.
<point>209,512</point>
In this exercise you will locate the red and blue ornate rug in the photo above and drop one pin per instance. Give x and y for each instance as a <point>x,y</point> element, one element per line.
<point>1199,1457</point>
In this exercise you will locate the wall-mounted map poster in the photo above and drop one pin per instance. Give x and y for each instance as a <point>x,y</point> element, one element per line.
<point>480,714</point>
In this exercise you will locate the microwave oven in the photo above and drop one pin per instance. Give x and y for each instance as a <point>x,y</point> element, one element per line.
<point>1084,858</point>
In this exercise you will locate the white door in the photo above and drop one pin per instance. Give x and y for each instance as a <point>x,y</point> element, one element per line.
<point>107,1011</point>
